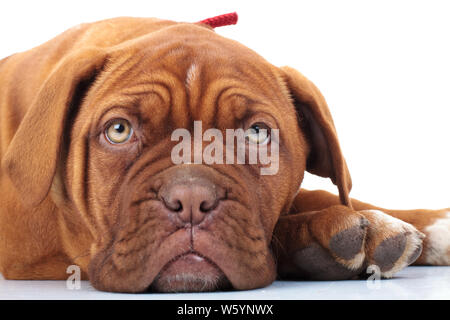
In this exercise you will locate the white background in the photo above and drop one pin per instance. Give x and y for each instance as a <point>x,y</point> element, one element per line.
<point>383,66</point>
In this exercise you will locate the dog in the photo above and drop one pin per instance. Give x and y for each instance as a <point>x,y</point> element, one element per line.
<point>87,177</point>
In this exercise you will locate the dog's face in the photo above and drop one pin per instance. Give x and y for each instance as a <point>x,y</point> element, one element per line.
<point>157,225</point>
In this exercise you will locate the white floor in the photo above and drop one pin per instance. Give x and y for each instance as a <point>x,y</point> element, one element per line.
<point>411,283</point>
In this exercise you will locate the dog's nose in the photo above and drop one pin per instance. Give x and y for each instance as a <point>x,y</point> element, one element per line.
<point>191,202</point>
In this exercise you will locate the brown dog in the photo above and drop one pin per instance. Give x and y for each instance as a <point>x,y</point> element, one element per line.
<point>87,177</point>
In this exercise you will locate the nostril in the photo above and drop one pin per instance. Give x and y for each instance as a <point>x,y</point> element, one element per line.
<point>178,206</point>
<point>174,205</point>
<point>207,206</point>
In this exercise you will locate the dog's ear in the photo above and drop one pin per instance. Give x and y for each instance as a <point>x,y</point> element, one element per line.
<point>325,158</point>
<point>31,158</point>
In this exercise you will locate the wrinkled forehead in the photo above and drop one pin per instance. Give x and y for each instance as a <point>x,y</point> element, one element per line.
<point>192,70</point>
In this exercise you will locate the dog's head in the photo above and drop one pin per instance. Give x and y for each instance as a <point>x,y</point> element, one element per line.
<point>98,141</point>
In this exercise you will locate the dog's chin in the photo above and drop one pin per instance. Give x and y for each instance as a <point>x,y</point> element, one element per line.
<point>190,273</point>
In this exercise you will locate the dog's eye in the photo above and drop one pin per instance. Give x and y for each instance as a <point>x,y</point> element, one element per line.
<point>118,131</point>
<point>258,133</point>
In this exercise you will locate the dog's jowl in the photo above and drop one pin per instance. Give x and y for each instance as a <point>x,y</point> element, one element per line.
<point>88,176</point>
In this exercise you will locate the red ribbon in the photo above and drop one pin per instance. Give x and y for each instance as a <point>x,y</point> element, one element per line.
<point>222,20</point>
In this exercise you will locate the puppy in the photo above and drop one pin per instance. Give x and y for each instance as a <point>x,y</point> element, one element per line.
<point>88,177</point>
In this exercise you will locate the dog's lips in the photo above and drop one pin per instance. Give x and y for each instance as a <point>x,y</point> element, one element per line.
<point>190,272</point>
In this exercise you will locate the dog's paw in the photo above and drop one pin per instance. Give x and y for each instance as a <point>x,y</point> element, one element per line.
<point>391,244</point>
<point>338,251</point>
<point>345,242</point>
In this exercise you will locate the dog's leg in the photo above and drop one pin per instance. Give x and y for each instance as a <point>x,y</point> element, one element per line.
<point>435,224</point>
<point>324,240</point>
